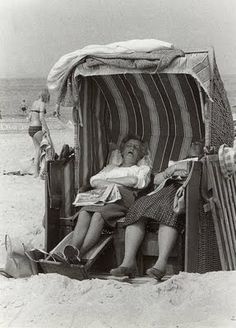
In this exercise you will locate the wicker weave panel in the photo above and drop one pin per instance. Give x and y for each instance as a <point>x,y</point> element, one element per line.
<point>223,206</point>
<point>221,125</point>
<point>208,254</point>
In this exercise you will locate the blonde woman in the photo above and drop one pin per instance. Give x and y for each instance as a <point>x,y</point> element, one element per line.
<point>38,125</point>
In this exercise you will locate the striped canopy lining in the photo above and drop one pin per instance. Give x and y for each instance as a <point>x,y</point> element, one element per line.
<point>164,109</point>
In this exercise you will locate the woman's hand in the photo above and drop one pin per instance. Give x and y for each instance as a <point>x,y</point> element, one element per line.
<point>159,178</point>
<point>169,171</point>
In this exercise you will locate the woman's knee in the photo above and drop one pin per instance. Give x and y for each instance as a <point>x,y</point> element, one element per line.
<point>83,213</point>
<point>142,222</point>
<point>97,218</point>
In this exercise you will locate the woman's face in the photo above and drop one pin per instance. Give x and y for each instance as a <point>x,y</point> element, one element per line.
<point>132,152</point>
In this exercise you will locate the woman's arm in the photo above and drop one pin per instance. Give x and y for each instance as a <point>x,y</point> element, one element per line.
<point>137,179</point>
<point>143,174</point>
<point>29,117</point>
<point>167,173</point>
<point>126,181</point>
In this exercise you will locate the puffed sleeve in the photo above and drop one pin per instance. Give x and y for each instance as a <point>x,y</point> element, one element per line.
<point>102,175</point>
<point>143,174</point>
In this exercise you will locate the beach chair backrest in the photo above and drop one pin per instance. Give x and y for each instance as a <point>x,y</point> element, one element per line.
<point>169,107</point>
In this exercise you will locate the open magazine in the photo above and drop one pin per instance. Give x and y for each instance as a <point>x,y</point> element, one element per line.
<point>98,196</point>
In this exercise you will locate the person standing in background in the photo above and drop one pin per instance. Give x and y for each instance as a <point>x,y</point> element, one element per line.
<point>38,125</point>
<point>23,107</point>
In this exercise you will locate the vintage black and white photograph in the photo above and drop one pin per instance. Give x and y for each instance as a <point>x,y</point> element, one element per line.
<point>117,164</point>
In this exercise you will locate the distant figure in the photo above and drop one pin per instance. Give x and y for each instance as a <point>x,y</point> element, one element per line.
<point>38,125</point>
<point>23,106</point>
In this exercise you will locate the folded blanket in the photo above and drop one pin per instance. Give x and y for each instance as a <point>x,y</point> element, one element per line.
<point>151,62</point>
<point>68,61</point>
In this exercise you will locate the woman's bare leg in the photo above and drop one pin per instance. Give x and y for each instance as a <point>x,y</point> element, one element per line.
<point>81,229</point>
<point>167,237</point>
<point>37,138</point>
<point>134,235</point>
<point>93,233</point>
<point>36,157</point>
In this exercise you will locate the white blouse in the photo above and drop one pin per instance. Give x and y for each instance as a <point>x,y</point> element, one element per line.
<point>142,172</point>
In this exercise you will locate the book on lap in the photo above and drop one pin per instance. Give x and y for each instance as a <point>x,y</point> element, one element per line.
<point>98,196</point>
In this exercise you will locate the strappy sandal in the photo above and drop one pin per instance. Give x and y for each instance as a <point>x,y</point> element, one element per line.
<point>123,272</point>
<point>155,273</point>
<point>72,254</point>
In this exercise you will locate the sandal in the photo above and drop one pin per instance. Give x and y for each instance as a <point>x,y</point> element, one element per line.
<point>155,273</point>
<point>123,272</point>
<point>4,273</point>
<point>72,254</point>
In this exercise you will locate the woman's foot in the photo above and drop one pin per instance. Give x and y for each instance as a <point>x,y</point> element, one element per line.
<point>72,254</point>
<point>123,271</point>
<point>155,273</point>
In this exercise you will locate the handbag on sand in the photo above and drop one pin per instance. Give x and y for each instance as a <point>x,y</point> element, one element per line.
<point>17,265</point>
<point>179,200</point>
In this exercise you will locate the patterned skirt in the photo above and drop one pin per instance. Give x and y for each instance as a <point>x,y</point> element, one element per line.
<point>158,207</point>
<point>114,211</point>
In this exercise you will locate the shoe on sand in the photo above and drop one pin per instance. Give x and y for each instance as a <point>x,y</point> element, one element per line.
<point>123,272</point>
<point>155,273</point>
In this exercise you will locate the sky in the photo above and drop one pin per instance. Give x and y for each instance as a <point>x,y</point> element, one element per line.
<point>34,34</point>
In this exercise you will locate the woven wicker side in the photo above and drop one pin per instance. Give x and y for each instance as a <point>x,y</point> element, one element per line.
<point>204,251</point>
<point>223,206</point>
<point>221,125</point>
<point>208,253</point>
<point>219,213</point>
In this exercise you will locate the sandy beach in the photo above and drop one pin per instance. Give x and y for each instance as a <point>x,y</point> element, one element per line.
<point>185,300</point>
<point>22,197</point>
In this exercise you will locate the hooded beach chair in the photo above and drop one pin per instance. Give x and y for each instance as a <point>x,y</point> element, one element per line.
<point>170,98</point>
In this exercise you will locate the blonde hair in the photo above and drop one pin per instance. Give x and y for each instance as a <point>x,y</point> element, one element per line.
<point>44,95</point>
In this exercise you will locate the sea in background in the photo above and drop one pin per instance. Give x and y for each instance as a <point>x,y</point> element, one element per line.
<point>13,91</point>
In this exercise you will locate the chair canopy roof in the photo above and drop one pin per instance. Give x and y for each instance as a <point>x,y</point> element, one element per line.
<point>168,97</point>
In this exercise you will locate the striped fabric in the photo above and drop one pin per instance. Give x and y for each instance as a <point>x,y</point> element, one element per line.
<point>163,106</point>
<point>164,109</point>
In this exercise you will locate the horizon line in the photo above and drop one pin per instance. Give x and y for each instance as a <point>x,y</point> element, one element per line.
<point>45,77</point>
